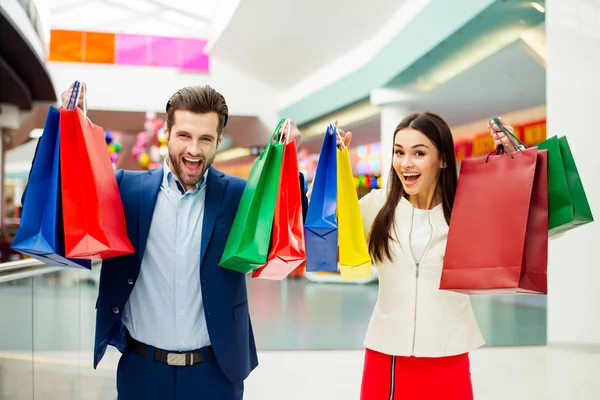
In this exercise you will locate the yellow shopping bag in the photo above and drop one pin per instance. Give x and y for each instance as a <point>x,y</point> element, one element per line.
<point>354,258</point>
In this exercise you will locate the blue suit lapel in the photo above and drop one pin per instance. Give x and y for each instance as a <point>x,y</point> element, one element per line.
<point>215,188</point>
<point>149,188</point>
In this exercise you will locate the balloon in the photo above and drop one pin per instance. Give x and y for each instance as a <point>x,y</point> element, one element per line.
<point>154,154</point>
<point>108,136</point>
<point>144,160</point>
<point>163,150</point>
<point>113,157</point>
<point>142,138</point>
<point>118,147</point>
<point>156,126</point>
<point>111,148</point>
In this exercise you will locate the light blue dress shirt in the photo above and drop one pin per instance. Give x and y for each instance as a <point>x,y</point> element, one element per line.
<point>165,309</point>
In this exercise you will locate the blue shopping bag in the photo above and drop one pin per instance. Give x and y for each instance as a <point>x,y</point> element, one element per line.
<point>41,233</point>
<point>321,228</point>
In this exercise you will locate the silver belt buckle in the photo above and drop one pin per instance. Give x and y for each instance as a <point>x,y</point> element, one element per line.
<point>176,359</point>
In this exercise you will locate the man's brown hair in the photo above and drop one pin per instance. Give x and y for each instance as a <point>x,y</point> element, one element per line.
<point>199,100</point>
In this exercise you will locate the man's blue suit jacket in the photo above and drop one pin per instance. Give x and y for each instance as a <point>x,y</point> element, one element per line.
<point>223,291</point>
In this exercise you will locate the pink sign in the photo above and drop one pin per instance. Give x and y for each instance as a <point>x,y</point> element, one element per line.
<point>164,52</point>
<point>186,54</point>
<point>193,56</point>
<point>132,49</point>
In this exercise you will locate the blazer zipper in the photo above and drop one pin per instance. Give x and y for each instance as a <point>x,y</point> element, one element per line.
<point>417,264</point>
<point>392,376</point>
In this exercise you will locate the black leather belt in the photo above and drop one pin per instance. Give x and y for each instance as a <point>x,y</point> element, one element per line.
<point>181,359</point>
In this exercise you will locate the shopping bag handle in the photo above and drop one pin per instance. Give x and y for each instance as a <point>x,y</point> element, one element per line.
<point>498,151</point>
<point>276,131</point>
<point>501,149</point>
<point>337,133</point>
<point>288,124</point>
<point>74,93</point>
<point>511,136</point>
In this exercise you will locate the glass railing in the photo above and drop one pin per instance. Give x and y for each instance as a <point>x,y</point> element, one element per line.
<point>47,332</point>
<point>47,321</point>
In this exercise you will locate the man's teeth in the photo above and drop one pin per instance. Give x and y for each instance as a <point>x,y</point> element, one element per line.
<point>191,160</point>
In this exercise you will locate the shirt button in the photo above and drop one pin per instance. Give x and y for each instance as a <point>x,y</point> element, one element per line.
<point>182,342</point>
<point>183,224</point>
<point>116,310</point>
<point>130,281</point>
<point>181,253</point>
<point>180,312</point>
<point>180,283</point>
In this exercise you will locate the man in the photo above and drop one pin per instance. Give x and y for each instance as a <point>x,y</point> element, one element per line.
<point>179,319</point>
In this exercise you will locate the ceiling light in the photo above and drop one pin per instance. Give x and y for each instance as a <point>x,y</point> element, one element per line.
<point>351,115</point>
<point>231,154</point>
<point>538,7</point>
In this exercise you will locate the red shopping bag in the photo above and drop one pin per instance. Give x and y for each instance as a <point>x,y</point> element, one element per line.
<point>535,262</point>
<point>288,250</point>
<point>498,237</point>
<point>93,214</point>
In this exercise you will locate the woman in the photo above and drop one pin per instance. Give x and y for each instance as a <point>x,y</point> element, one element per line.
<point>419,337</point>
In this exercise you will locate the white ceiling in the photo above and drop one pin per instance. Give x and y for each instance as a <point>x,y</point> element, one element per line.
<point>284,41</point>
<point>181,18</point>
<point>510,80</point>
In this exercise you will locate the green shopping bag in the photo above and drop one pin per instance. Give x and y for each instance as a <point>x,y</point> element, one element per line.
<point>579,212</point>
<point>248,243</point>
<point>568,206</point>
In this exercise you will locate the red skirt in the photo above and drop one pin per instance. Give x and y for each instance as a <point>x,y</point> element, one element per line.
<point>388,377</point>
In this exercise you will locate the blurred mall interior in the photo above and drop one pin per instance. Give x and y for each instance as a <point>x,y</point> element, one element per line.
<point>366,64</point>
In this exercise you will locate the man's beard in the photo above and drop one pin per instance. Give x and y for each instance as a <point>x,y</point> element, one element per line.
<point>185,178</point>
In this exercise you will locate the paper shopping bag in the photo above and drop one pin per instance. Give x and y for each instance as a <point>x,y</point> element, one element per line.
<point>41,232</point>
<point>321,227</point>
<point>569,207</point>
<point>93,214</point>
<point>248,243</point>
<point>288,251</point>
<point>491,237</point>
<point>567,201</point>
<point>355,261</point>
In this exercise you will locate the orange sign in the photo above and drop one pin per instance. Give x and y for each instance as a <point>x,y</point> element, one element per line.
<point>530,133</point>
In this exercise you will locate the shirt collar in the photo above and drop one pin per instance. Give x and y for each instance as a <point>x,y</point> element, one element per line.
<point>170,180</point>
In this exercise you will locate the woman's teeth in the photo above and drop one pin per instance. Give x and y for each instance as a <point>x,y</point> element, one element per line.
<point>411,177</point>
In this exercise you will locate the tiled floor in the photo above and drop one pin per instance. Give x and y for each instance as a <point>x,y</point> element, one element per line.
<point>309,336</point>
<point>524,373</point>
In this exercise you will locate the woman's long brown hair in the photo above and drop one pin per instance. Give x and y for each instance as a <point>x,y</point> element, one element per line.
<point>438,132</point>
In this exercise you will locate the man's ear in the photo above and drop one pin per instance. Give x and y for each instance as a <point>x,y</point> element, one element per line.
<point>166,131</point>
